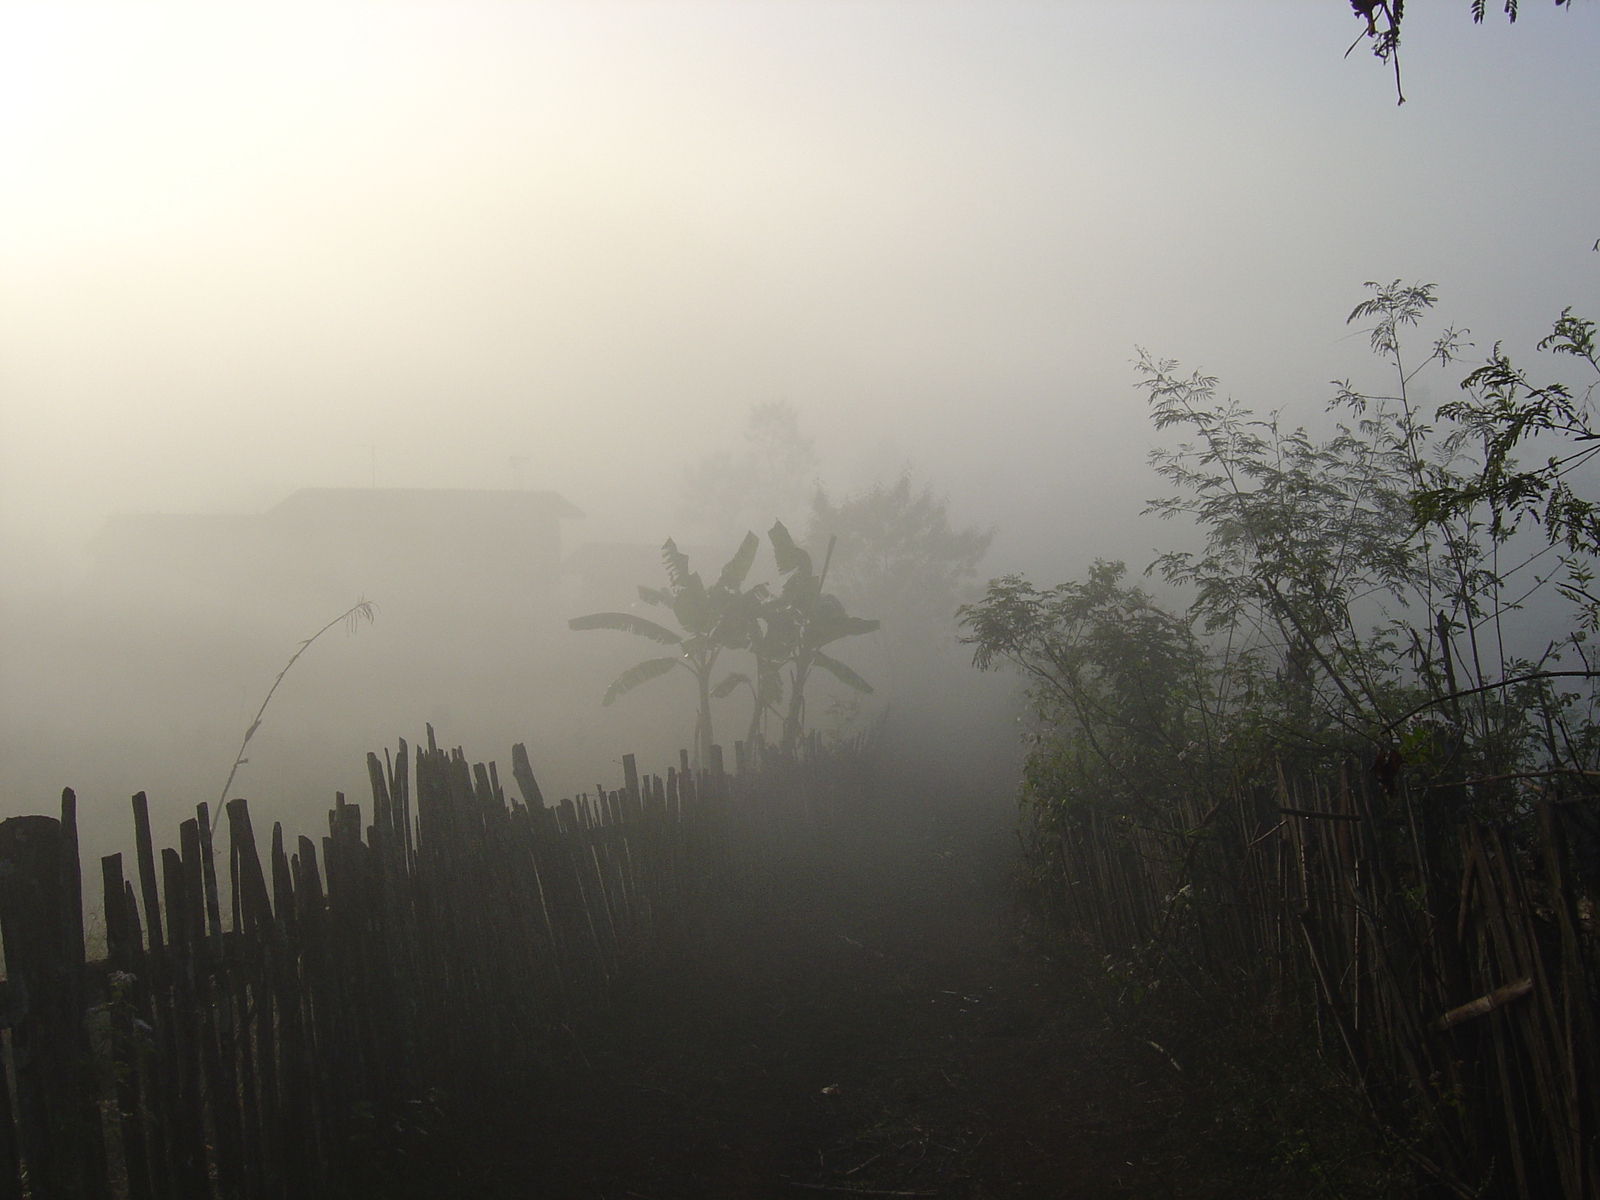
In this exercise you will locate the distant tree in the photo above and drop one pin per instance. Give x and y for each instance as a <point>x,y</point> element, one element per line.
<point>712,619</point>
<point>773,474</point>
<point>898,555</point>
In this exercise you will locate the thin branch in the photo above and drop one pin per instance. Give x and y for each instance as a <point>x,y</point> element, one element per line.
<point>1488,687</point>
<point>351,619</point>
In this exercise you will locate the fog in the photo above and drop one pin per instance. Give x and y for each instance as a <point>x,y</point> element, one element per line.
<point>250,250</point>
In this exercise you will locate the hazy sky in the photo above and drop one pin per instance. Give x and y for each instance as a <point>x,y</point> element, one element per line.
<point>240,245</point>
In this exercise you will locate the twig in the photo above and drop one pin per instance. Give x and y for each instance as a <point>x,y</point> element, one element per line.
<point>868,1163</point>
<point>1483,1005</point>
<point>831,1187</point>
<point>1265,835</point>
<point>1488,687</point>
<point>1321,816</point>
<point>1162,1051</point>
<point>362,611</point>
<point>1553,773</point>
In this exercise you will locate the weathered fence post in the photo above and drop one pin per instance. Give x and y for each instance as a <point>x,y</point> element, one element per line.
<point>258,1060</point>
<point>61,1150</point>
<point>121,959</point>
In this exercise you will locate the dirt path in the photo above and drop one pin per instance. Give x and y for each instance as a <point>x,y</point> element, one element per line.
<point>871,1026</point>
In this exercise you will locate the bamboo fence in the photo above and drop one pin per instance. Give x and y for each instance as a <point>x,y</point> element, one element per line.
<point>254,1022</point>
<point>1452,965</point>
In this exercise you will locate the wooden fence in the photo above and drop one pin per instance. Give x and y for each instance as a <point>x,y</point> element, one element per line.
<point>254,1026</point>
<point>1452,964</point>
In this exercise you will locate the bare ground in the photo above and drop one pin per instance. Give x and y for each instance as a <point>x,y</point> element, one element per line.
<point>876,1021</point>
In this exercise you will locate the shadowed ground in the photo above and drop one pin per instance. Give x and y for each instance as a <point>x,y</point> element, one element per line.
<point>875,1023</point>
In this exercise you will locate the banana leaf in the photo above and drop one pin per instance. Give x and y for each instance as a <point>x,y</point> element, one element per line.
<point>651,668</point>
<point>725,688</point>
<point>842,673</point>
<point>627,623</point>
<point>786,553</point>
<point>825,633</point>
<point>739,565</point>
<point>677,563</point>
<point>693,607</point>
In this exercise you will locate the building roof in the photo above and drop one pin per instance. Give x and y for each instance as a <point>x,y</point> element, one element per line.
<point>454,502</point>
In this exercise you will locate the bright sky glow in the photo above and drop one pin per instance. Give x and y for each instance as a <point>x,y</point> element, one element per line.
<point>239,244</point>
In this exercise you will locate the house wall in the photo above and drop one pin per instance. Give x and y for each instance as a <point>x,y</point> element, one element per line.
<point>429,559</point>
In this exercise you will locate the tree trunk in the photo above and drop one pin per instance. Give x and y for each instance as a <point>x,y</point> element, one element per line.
<point>702,727</point>
<point>794,720</point>
<point>758,705</point>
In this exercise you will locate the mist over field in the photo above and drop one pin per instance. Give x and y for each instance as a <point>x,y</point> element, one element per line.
<point>256,261</point>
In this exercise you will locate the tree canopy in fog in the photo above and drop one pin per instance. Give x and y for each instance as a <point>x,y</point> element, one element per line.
<point>770,477</point>
<point>1360,592</point>
<point>899,556</point>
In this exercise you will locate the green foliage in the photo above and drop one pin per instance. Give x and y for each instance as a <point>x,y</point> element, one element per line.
<point>1310,549</point>
<point>788,629</point>
<point>1105,652</point>
<point>1361,599</point>
<point>711,620</point>
<point>1355,591</point>
<point>1505,410</point>
<point>799,622</point>
<point>1122,689</point>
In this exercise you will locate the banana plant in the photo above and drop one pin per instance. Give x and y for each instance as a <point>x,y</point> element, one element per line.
<point>710,620</point>
<point>766,688</point>
<point>800,621</point>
